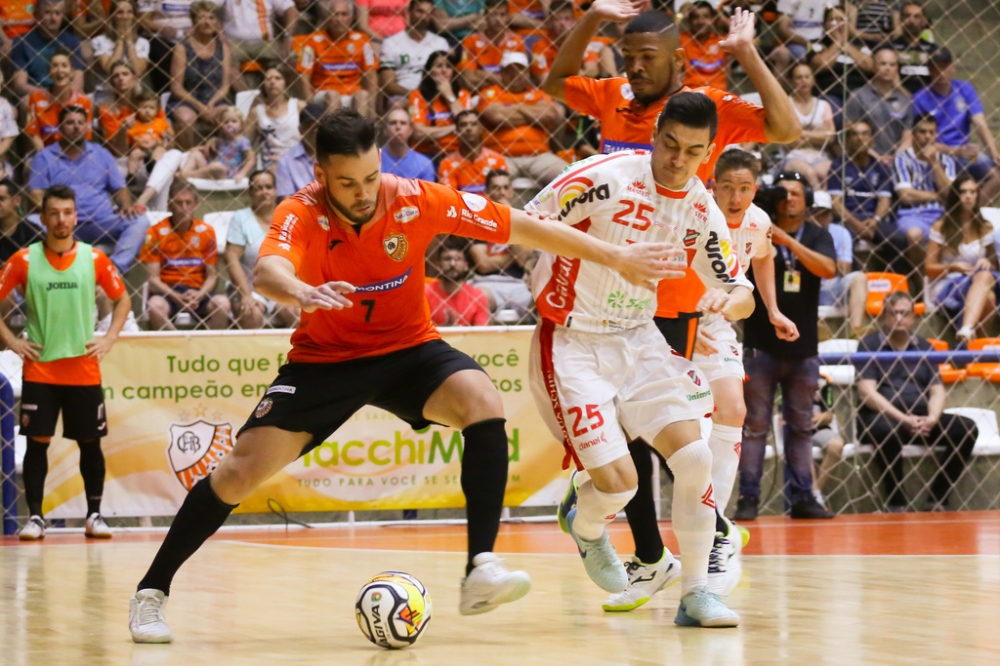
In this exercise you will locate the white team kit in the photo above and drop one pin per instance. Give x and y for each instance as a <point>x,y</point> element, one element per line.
<point>751,240</point>
<point>598,363</point>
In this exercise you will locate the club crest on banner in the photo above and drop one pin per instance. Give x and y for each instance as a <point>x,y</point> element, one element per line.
<point>196,449</point>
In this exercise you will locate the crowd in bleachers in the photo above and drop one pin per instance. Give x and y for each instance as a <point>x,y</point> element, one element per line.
<point>130,101</point>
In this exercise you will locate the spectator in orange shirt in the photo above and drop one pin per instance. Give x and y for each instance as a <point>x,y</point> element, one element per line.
<point>116,114</point>
<point>520,117</point>
<point>181,256</point>
<point>558,23</point>
<point>150,134</point>
<point>482,52</point>
<point>466,168</point>
<point>18,17</point>
<point>454,302</point>
<point>705,61</point>
<point>434,106</point>
<point>340,63</point>
<point>44,105</point>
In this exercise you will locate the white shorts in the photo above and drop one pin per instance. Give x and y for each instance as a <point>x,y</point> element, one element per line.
<point>728,362</point>
<point>589,386</point>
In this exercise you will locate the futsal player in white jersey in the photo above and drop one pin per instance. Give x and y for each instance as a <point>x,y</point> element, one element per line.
<point>601,372</point>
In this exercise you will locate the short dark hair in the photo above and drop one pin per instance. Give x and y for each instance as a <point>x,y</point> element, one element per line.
<point>703,4</point>
<point>559,6</point>
<point>892,298</point>
<point>495,173</point>
<point>463,113</point>
<point>735,159</point>
<point>140,95</point>
<point>12,188</point>
<point>886,47</point>
<point>61,52</point>
<point>651,20</point>
<point>181,185</point>
<point>61,192</point>
<point>489,4</point>
<point>924,117</point>
<point>344,132</point>
<point>72,108</point>
<point>260,172</point>
<point>691,110</point>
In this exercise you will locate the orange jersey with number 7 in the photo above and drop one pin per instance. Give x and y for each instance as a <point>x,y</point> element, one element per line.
<point>385,262</point>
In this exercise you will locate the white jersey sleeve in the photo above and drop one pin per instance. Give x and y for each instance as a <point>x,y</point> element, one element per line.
<point>752,239</point>
<point>715,260</point>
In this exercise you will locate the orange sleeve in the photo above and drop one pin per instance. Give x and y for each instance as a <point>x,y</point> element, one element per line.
<point>586,95</point>
<point>739,120</point>
<point>14,273</point>
<point>149,253</point>
<point>288,236</point>
<point>369,58</point>
<point>467,215</point>
<point>418,108</point>
<point>468,60</point>
<point>302,63</point>
<point>488,96</point>
<point>87,104</point>
<point>446,173</point>
<point>107,276</point>
<point>31,128</point>
<point>211,248</point>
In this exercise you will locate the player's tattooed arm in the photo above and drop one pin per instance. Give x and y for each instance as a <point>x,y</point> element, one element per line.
<point>641,264</point>
<point>274,277</point>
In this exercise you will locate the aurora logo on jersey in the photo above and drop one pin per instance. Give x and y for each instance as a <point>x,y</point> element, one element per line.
<point>580,190</point>
<point>720,253</point>
<point>388,285</point>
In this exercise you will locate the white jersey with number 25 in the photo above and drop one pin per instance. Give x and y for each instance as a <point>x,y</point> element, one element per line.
<point>614,198</point>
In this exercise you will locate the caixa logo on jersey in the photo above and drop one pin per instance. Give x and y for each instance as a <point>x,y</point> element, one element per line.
<point>580,190</point>
<point>720,253</point>
<point>196,449</point>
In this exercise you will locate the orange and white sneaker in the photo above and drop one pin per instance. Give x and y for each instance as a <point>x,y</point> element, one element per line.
<point>97,528</point>
<point>33,530</point>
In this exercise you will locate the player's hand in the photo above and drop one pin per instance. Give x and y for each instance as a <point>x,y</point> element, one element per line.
<point>617,11</point>
<point>713,301</point>
<point>741,35</point>
<point>98,348</point>
<point>26,349</point>
<point>327,296</point>
<point>784,327</point>
<point>645,264</point>
<point>703,344</point>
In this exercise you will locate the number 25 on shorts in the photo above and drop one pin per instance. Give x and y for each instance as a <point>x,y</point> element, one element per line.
<point>593,416</point>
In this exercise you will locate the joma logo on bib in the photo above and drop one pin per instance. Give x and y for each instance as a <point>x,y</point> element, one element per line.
<point>61,285</point>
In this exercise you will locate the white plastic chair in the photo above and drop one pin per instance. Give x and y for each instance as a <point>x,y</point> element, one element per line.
<point>220,223</point>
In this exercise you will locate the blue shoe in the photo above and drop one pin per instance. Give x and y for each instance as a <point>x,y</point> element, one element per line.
<point>701,608</point>
<point>568,503</point>
<point>599,559</point>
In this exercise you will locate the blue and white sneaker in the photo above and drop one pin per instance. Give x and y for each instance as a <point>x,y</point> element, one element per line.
<point>702,608</point>
<point>644,580</point>
<point>725,566</point>
<point>568,503</point>
<point>599,559</point>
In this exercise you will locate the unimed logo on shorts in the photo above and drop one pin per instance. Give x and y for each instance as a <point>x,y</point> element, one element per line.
<point>196,449</point>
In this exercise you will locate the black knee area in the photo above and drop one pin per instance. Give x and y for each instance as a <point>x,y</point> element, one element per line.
<point>34,471</point>
<point>641,509</point>
<point>92,469</point>
<point>484,479</point>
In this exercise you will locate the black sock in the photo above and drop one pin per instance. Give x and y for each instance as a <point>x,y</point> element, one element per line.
<point>201,515</point>
<point>484,479</point>
<point>93,471</point>
<point>641,510</point>
<point>720,523</point>
<point>35,469</point>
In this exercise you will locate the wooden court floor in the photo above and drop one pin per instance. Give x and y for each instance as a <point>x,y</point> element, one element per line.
<point>899,589</point>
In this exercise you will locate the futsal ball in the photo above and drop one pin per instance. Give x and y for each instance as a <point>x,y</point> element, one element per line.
<point>393,608</point>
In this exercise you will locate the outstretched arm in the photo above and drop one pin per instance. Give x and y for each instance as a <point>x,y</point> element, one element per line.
<point>274,277</point>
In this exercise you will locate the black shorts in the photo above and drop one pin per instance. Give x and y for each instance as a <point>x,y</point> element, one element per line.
<point>680,332</point>
<point>318,398</point>
<point>82,409</point>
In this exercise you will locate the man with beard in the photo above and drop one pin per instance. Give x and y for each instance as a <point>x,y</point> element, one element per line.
<point>453,301</point>
<point>405,53</point>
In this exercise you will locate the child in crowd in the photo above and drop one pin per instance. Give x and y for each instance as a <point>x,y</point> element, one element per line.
<point>150,135</point>
<point>227,155</point>
<point>826,436</point>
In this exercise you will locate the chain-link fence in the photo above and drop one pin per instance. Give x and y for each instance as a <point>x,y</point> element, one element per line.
<point>225,96</point>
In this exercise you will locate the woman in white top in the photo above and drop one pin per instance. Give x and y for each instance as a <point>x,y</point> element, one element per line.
<point>962,261</point>
<point>275,119</point>
<point>807,154</point>
<point>247,230</point>
<point>121,43</point>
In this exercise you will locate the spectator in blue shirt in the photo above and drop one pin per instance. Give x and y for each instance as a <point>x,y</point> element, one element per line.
<point>31,51</point>
<point>861,188</point>
<point>295,167</point>
<point>849,288</point>
<point>397,158</point>
<point>922,177</point>
<point>958,111</point>
<point>92,173</point>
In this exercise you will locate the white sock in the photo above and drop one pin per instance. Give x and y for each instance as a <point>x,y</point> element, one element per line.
<point>725,461</point>
<point>693,512</point>
<point>595,509</point>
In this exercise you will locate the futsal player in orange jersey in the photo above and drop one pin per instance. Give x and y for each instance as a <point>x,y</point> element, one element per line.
<point>627,109</point>
<point>349,251</point>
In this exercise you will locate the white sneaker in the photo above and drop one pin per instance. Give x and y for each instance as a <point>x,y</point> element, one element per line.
<point>644,580</point>
<point>702,608</point>
<point>33,530</point>
<point>725,566</point>
<point>145,617</point>
<point>97,528</point>
<point>491,584</point>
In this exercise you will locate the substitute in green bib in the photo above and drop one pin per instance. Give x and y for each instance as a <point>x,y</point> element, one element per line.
<point>58,278</point>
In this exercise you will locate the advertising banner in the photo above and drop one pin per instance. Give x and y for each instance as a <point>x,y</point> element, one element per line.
<point>176,401</point>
